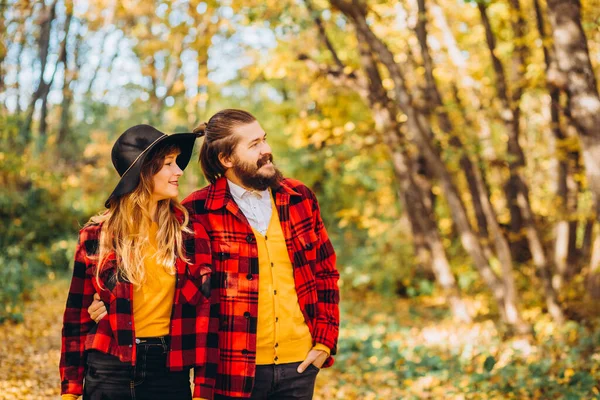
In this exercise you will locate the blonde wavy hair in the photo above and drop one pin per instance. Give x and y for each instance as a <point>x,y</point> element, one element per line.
<point>126,226</point>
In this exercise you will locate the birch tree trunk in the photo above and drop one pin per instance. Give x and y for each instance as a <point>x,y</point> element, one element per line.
<point>516,185</point>
<point>47,15</point>
<point>573,59</point>
<point>421,130</point>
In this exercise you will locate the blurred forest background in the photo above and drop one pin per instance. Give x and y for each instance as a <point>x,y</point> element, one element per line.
<point>454,146</point>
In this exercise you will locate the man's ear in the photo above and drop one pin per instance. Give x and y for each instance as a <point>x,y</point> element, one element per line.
<point>225,161</point>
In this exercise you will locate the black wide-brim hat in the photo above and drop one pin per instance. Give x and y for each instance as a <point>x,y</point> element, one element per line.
<point>132,148</point>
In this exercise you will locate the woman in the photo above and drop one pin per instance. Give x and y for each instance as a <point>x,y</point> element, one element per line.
<point>151,270</point>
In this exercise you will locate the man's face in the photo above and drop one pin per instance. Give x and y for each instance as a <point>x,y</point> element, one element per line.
<point>252,161</point>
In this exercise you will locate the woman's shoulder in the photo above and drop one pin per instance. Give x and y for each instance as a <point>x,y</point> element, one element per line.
<point>91,231</point>
<point>89,237</point>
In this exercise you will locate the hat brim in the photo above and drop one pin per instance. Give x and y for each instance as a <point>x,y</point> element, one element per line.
<point>130,179</point>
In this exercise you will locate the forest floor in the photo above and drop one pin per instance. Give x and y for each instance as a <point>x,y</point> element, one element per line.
<point>388,349</point>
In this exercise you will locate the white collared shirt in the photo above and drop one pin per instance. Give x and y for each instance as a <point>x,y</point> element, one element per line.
<point>255,205</point>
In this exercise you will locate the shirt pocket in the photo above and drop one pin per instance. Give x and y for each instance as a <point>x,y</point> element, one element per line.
<point>307,246</point>
<point>226,263</point>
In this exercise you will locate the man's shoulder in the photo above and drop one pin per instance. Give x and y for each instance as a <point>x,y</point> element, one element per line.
<point>299,187</point>
<point>195,201</point>
<point>198,195</point>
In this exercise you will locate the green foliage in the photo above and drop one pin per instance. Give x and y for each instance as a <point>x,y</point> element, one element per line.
<point>36,227</point>
<point>407,349</point>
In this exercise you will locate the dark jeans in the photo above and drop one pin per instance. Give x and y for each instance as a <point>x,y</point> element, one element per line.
<point>107,378</point>
<point>282,382</point>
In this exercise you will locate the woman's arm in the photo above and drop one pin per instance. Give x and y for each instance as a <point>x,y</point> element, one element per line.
<point>76,322</point>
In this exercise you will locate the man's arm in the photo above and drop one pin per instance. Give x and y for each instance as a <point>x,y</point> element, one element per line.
<point>207,313</point>
<point>207,355</point>
<point>328,314</point>
<point>327,276</point>
<point>195,288</point>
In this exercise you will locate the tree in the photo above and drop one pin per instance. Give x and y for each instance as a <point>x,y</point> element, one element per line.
<point>573,60</point>
<point>45,18</point>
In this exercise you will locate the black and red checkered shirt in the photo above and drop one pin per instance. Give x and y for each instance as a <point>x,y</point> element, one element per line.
<point>192,345</point>
<point>235,275</point>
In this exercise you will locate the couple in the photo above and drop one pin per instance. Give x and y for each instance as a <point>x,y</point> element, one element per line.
<point>160,287</point>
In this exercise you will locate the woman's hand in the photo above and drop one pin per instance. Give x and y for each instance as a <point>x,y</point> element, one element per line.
<point>97,309</point>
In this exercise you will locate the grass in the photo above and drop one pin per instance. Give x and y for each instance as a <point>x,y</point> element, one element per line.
<point>389,349</point>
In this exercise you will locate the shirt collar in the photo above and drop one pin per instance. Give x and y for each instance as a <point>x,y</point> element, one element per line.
<point>238,192</point>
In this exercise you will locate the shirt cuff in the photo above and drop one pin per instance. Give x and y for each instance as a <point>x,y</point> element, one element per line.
<point>202,392</point>
<point>322,347</point>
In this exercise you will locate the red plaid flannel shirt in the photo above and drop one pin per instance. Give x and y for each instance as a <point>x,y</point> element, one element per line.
<point>235,275</point>
<point>191,343</point>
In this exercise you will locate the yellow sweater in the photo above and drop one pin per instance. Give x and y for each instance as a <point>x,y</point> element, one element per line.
<point>282,333</point>
<point>153,300</point>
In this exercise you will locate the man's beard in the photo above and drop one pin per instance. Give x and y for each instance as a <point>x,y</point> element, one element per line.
<point>251,178</point>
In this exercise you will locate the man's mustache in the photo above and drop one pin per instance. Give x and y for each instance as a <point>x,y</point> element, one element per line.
<point>264,159</point>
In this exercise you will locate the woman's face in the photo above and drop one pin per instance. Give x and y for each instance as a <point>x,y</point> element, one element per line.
<point>166,180</point>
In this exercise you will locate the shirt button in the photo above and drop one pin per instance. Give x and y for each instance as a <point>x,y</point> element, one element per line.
<point>266,238</point>
<point>129,323</point>
<point>249,276</point>
<point>247,315</point>
<point>130,346</point>
<point>276,344</point>
<point>249,239</point>
<point>276,319</point>
<point>275,292</point>
<point>244,352</point>
<point>272,265</point>
<point>276,358</point>
<point>137,341</point>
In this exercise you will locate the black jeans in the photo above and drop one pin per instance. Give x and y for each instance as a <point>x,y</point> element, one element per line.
<point>107,378</point>
<point>282,382</point>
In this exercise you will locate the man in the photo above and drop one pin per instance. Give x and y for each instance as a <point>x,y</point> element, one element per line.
<point>274,273</point>
<point>274,280</point>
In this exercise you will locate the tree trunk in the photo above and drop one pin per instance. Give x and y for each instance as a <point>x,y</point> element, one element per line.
<point>68,77</point>
<point>593,279</point>
<point>323,34</point>
<point>501,245</point>
<point>420,216</point>
<point>419,127</point>
<point>509,114</point>
<point>573,59</point>
<point>48,14</point>
<point>434,98</point>
<point>413,196</point>
<point>21,43</point>
<point>516,186</point>
<point>3,45</point>
<point>412,199</point>
<point>586,243</point>
<point>62,59</point>
<point>566,227</point>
